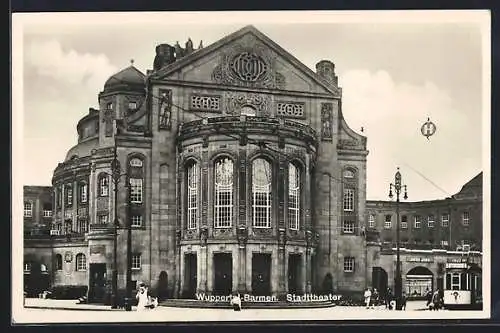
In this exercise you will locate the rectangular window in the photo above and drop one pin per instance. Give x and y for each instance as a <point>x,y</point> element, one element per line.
<point>137,220</point>
<point>371,221</point>
<point>104,186</point>
<point>136,261</point>
<point>404,222</point>
<point>455,281</point>
<point>388,222</point>
<point>444,243</point>
<point>348,264</point>
<point>445,220</point>
<point>223,206</point>
<point>465,218</point>
<point>69,195</point>
<point>132,105</point>
<point>47,213</point>
<point>348,199</point>
<point>418,221</point>
<point>293,208</point>
<point>430,221</point>
<point>27,267</point>
<point>192,209</point>
<point>261,209</point>
<point>28,209</point>
<point>348,227</point>
<point>103,219</point>
<point>136,190</point>
<point>68,215</point>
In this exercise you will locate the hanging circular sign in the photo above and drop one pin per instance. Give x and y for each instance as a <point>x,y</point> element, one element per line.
<point>428,128</point>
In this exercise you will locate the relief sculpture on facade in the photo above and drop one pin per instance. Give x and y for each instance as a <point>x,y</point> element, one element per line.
<point>165,121</point>
<point>260,102</point>
<point>326,121</point>
<point>248,64</point>
<point>108,122</point>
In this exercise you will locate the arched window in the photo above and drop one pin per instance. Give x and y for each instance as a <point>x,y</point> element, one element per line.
<point>223,201</point>
<point>69,194</point>
<point>192,195</point>
<point>83,192</point>
<point>81,262</point>
<point>136,180</point>
<point>59,262</point>
<point>261,193</point>
<point>293,197</point>
<point>103,185</point>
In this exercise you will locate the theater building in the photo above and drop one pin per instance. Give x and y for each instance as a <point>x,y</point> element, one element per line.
<point>243,176</point>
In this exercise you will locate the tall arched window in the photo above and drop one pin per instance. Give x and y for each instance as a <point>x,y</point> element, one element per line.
<point>59,262</point>
<point>103,185</point>
<point>136,180</point>
<point>261,193</point>
<point>192,195</point>
<point>293,197</point>
<point>349,218</point>
<point>83,192</point>
<point>223,201</point>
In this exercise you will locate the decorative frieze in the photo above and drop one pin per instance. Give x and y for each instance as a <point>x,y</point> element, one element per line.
<point>290,109</point>
<point>259,102</point>
<point>205,103</point>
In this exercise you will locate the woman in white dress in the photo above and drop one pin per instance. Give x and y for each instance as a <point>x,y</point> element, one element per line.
<point>142,297</point>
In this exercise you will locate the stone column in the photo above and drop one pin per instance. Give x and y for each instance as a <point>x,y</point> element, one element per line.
<point>282,275</point>
<point>242,256</point>
<point>202,284</point>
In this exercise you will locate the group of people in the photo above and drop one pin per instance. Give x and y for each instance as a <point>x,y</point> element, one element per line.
<point>434,299</point>
<point>374,299</point>
<point>144,299</point>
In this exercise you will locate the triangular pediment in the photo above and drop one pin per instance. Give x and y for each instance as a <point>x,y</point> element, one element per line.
<point>250,59</point>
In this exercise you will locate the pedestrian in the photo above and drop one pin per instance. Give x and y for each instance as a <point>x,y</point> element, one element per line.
<point>142,297</point>
<point>375,298</point>
<point>388,299</point>
<point>403,301</point>
<point>428,297</point>
<point>436,300</point>
<point>236,302</point>
<point>368,295</point>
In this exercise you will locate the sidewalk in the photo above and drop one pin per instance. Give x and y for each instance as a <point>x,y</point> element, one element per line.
<point>56,304</point>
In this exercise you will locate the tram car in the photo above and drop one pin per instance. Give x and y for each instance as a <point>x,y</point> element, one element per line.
<point>462,286</point>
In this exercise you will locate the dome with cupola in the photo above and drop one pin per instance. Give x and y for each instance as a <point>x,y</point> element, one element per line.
<point>129,78</point>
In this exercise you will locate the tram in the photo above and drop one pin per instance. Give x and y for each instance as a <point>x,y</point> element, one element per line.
<point>463,287</point>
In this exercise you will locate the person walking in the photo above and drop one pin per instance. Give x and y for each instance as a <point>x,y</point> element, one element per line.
<point>428,297</point>
<point>375,298</point>
<point>436,300</point>
<point>368,295</point>
<point>236,302</point>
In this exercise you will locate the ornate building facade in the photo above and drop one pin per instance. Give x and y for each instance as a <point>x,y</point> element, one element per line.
<point>243,176</point>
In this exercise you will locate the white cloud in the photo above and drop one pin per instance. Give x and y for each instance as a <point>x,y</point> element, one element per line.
<point>50,60</point>
<point>392,114</point>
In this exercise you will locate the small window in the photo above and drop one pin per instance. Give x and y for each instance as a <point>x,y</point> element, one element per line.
<point>47,213</point>
<point>430,221</point>
<point>83,193</point>
<point>444,243</point>
<point>137,221</point>
<point>135,162</point>
<point>136,261</point>
<point>348,174</point>
<point>27,267</point>
<point>103,185</point>
<point>348,227</point>
<point>69,195</point>
<point>109,106</point>
<point>81,262</point>
<point>371,221</point>
<point>132,106</point>
<point>445,220</point>
<point>417,222</point>
<point>465,218</point>
<point>404,222</point>
<point>348,264</point>
<point>103,219</point>
<point>388,222</point>
<point>28,209</point>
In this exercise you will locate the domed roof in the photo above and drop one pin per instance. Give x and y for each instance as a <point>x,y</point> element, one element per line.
<point>128,78</point>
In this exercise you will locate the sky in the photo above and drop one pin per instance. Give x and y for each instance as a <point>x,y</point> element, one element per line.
<point>395,71</point>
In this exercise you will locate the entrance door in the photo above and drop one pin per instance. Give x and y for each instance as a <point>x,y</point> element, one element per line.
<point>163,286</point>
<point>294,270</point>
<point>190,274</point>
<point>380,280</point>
<point>223,274</point>
<point>261,274</point>
<point>97,283</point>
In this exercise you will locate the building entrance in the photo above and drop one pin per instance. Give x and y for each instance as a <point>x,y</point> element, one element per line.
<point>419,280</point>
<point>190,275</point>
<point>294,270</point>
<point>223,273</point>
<point>380,280</point>
<point>261,274</point>
<point>97,283</point>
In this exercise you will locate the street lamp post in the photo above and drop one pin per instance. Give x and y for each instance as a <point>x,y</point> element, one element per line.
<point>128,299</point>
<point>398,281</point>
<point>116,175</point>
